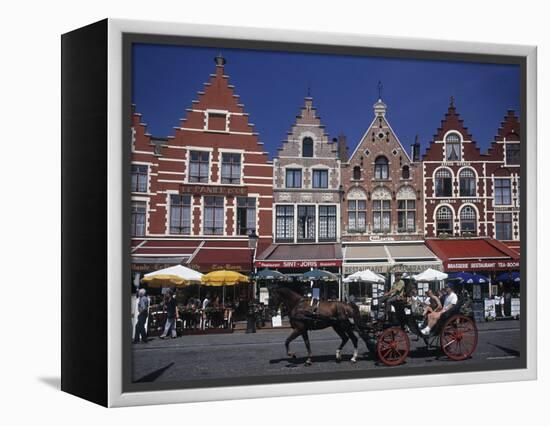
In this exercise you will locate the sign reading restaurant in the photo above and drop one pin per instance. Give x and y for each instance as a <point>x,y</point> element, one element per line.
<point>228,190</point>
<point>384,268</point>
<point>481,266</point>
<point>297,263</point>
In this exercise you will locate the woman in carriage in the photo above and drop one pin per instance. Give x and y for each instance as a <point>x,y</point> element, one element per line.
<point>433,317</point>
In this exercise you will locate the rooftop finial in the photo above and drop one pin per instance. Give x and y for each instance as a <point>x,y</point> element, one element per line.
<point>452,101</point>
<point>220,60</point>
<point>380,87</point>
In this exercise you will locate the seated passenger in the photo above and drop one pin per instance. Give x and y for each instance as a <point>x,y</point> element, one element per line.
<point>450,301</point>
<point>433,302</point>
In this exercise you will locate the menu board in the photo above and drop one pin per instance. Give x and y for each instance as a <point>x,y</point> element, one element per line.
<point>490,310</point>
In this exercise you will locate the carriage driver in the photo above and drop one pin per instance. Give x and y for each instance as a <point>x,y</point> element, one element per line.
<point>397,290</point>
<point>450,301</point>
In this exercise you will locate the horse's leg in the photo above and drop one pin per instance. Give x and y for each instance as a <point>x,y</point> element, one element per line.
<point>344,338</point>
<point>295,333</point>
<point>308,347</point>
<point>351,334</point>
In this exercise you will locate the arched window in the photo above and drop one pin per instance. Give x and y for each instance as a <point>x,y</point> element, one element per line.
<point>444,221</point>
<point>381,169</point>
<point>357,173</point>
<point>405,172</point>
<point>443,183</point>
<point>307,147</point>
<point>467,180</point>
<point>452,147</point>
<point>468,221</point>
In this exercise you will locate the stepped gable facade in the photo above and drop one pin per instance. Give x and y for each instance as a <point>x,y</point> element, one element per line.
<point>306,182</point>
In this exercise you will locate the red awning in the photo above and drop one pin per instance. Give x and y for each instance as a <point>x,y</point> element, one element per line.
<point>300,256</point>
<point>478,254</point>
<point>229,255</point>
<point>164,248</point>
<point>513,245</point>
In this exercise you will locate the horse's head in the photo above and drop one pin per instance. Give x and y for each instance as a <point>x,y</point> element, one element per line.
<point>275,300</point>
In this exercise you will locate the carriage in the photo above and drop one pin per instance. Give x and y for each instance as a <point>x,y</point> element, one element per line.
<point>455,334</point>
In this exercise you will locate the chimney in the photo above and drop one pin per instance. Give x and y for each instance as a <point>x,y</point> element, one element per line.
<point>342,148</point>
<point>415,150</point>
<point>220,62</point>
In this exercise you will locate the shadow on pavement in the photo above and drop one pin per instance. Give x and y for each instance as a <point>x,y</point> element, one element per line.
<point>506,350</point>
<point>151,377</point>
<point>294,362</point>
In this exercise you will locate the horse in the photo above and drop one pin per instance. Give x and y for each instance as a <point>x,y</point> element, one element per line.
<point>342,317</point>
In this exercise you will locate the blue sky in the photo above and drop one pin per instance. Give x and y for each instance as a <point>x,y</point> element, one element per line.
<point>272,86</point>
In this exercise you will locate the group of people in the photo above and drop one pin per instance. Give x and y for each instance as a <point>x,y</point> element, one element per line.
<point>170,306</point>
<point>434,305</point>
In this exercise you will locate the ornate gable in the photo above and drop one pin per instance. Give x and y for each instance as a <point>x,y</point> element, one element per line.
<point>380,139</point>
<point>217,107</point>
<point>308,125</point>
<point>452,121</point>
<point>509,129</point>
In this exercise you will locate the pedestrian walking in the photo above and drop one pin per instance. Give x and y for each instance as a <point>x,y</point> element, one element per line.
<point>172,316</point>
<point>143,312</point>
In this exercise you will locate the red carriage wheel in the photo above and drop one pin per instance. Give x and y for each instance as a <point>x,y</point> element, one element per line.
<point>393,346</point>
<point>459,337</point>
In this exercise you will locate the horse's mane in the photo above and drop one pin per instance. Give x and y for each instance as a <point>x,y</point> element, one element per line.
<point>287,292</point>
<point>288,296</point>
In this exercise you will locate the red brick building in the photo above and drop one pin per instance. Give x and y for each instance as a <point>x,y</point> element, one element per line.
<point>468,193</point>
<point>198,194</point>
<point>503,170</point>
<point>382,187</point>
<point>455,182</point>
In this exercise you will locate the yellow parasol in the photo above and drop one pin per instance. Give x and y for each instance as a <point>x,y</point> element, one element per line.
<point>175,276</point>
<point>221,278</point>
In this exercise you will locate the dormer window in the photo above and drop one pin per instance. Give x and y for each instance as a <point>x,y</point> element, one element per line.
<point>452,147</point>
<point>381,168</point>
<point>512,154</point>
<point>307,147</point>
<point>216,121</point>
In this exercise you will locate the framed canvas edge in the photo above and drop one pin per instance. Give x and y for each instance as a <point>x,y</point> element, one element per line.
<point>116,396</point>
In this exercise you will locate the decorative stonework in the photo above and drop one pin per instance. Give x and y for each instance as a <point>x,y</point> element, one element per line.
<point>381,193</point>
<point>357,194</point>
<point>406,193</point>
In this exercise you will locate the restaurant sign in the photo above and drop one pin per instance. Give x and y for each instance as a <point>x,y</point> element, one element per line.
<point>218,267</point>
<point>197,189</point>
<point>481,266</point>
<point>383,268</point>
<point>297,263</point>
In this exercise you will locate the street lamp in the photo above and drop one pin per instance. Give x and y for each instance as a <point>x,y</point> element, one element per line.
<point>252,245</point>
